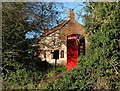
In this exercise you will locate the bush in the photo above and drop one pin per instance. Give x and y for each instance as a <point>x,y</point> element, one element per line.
<point>99,63</point>
<point>99,68</point>
<point>24,74</point>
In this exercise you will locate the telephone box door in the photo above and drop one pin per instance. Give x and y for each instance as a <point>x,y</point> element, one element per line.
<point>72,51</point>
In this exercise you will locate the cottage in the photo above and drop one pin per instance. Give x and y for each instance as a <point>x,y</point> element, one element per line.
<point>58,38</point>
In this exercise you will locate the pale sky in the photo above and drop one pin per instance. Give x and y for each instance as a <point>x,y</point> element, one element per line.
<point>77,8</point>
<point>72,5</point>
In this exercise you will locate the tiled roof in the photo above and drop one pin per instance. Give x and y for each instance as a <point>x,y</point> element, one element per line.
<point>58,27</point>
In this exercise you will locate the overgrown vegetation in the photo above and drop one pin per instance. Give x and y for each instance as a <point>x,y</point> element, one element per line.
<point>19,69</point>
<point>99,68</point>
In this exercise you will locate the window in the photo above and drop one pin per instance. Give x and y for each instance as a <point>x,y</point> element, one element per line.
<point>62,54</point>
<point>44,54</point>
<point>82,46</point>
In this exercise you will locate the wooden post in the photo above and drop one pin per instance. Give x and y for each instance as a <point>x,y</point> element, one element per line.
<point>55,63</point>
<point>56,56</point>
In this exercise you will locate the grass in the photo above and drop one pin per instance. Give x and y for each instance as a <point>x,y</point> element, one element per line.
<point>52,75</point>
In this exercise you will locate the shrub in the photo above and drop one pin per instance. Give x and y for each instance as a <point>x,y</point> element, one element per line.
<point>99,68</point>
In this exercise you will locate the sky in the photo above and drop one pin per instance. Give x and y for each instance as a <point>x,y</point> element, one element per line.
<point>77,8</point>
<point>72,5</point>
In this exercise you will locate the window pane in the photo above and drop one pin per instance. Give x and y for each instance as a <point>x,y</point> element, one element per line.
<point>62,54</point>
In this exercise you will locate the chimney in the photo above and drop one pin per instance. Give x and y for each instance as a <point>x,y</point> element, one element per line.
<point>71,14</point>
<point>45,28</point>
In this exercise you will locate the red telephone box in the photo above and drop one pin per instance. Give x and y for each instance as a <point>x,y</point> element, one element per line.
<point>73,50</point>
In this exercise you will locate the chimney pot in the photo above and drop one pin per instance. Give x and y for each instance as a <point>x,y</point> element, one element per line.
<point>71,14</point>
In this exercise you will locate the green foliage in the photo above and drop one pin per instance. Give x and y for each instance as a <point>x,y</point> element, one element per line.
<point>59,69</point>
<point>19,68</point>
<point>99,68</point>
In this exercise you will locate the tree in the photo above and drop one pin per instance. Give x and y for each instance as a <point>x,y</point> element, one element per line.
<point>17,20</point>
<point>103,24</point>
<point>44,15</point>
